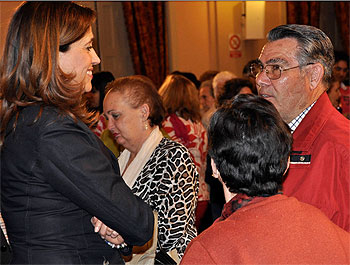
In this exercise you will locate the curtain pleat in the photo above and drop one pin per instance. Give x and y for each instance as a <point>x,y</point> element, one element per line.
<point>303,12</point>
<point>342,10</point>
<point>146,27</point>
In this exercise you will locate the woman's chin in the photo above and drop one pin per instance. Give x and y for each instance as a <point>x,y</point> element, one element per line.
<point>119,141</point>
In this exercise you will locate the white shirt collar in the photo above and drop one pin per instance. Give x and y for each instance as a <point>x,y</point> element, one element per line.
<point>295,123</point>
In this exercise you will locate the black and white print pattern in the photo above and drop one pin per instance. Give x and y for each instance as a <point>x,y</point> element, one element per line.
<point>169,184</point>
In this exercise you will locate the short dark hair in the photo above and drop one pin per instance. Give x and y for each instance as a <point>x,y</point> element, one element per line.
<point>99,82</point>
<point>314,46</point>
<point>190,76</point>
<point>138,90</point>
<point>232,88</point>
<point>208,75</point>
<point>250,145</point>
<point>246,69</point>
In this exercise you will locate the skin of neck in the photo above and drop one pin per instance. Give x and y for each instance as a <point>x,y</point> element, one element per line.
<point>228,195</point>
<point>134,151</point>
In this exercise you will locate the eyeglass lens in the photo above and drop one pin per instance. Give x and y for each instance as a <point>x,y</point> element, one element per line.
<point>272,71</point>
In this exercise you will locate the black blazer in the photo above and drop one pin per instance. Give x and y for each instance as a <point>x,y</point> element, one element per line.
<point>55,175</point>
<point>6,252</point>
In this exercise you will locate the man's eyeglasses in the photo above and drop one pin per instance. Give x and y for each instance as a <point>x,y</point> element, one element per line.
<point>273,71</point>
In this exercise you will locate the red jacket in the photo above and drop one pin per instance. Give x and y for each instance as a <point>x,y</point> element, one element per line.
<point>319,171</point>
<point>275,230</point>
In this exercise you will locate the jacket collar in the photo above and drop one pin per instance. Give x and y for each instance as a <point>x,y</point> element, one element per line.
<point>307,131</point>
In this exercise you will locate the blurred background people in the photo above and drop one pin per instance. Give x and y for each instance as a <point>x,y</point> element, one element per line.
<point>208,75</point>
<point>158,170</point>
<point>341,66</point>
<point>234,87</point>
<point>55,173</point>
<point>190,76</point>
<point>341,73</point>
<point>250,146</point>
<point>183,125</point>
<point>219,81</point>
<point>246,73</point>
<point>94,100</point>
<point>97,94</point>
<point>334,94</point>
<point>206,101</point>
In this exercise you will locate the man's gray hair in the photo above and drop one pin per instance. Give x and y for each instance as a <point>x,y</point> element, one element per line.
<point>313,44</point>
<point>222,77</point>
<point>208,83</point>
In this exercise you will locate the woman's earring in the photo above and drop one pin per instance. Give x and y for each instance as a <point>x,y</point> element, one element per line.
<point>146,126</point>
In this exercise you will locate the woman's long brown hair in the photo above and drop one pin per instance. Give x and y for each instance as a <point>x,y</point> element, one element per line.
<point>29,70</point>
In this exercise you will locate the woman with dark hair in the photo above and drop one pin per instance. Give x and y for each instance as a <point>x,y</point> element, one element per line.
<point>94,100</point>
<point>55,173</point>
<point>97,94</point>
<point>183,124</point>
<point>232,88</point>
<point>158,170</point>
<point>249,146</point>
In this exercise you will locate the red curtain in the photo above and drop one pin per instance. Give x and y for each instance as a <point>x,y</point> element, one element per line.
<point>302,12</point>
<point>146,27</point>
<point>342,10</point>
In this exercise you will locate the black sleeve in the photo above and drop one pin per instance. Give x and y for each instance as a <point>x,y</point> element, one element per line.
<point>6,252</point>
<point>76,166</point>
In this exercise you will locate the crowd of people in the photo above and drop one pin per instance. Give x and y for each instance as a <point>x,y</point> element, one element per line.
<point>224,169</point>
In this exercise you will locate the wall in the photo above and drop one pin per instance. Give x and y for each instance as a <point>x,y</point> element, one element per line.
<point>6,11</point>
<point>199,34</point>
<point>111,40</point>
<point>190,39</point>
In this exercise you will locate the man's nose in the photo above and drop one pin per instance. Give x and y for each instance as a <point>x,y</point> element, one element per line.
<point>262,79</point>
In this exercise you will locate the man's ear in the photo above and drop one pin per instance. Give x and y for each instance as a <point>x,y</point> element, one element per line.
<point>144,111</point>
<point>316,75</point>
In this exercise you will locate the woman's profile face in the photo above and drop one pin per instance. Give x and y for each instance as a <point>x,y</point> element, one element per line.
<point>334,93</point>
<point>79,60</point>
<point>125,122</point>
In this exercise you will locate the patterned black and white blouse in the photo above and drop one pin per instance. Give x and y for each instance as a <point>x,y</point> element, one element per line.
<point>169,184</point>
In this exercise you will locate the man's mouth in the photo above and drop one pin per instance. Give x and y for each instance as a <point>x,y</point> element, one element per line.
<point>265,96</point>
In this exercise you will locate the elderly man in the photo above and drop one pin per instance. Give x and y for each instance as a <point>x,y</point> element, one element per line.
<point>294,73</point>
<point>219,81</point>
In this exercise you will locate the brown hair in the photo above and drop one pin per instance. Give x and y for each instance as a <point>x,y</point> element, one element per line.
<point>29,70</point>
<point>138,90</point>
<point>180,96</point>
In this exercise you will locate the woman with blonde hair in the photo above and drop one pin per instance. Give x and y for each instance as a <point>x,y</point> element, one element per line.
<point>55,173</point>
<point>183,125</point>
